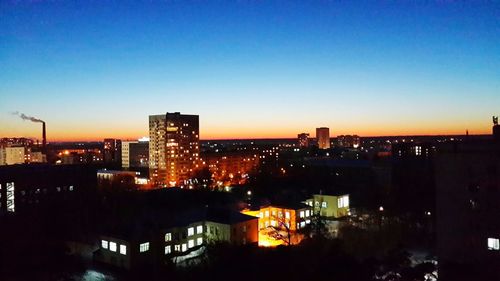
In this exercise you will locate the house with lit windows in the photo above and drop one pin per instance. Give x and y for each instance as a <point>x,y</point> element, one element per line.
<point>329,206</point>
<point>178,240</point>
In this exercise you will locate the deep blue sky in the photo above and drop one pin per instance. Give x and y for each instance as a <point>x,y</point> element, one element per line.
<point>249,68</point>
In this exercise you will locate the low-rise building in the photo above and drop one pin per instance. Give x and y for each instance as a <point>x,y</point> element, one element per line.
<point>329,206</point>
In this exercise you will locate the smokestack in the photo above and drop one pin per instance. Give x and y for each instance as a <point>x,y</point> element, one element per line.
<point>44,137</point>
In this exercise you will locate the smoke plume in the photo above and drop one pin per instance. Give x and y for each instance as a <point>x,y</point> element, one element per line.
<point>26,117</point>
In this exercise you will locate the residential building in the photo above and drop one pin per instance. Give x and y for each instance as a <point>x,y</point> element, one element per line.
<point>11,155</point>
<point>112,151</point>
<point>467,178</point>
<point>323,137</point>
<point>303,139</point>
<point>348,141</point>
<point>135,154</point>
<point>173,148</point>
<point>330,206</point>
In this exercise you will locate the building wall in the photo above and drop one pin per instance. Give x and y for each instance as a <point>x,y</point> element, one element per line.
<point>12,155</point>
<point>323,137</point>
<point>173,148</point>
<point>126,153</point>
<point>115,258</point>
<point>328,205</point>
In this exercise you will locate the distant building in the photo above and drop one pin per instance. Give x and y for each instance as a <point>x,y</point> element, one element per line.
<point>174,148</point>
<point>303,139</point>
<point>323,137</point>
<point>329,206</point>
<point>135,154</point>
<point>348,141</point>
<point>10,155</point>
<point>112,151</point>
<point>468,205</point>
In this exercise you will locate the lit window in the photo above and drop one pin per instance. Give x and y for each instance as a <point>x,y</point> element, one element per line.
<point>123,249</point>
<point>308,213</point>
<point>199,241</point>
<point>316,203</point>
<point>190,243</point>
<point>199,229</point>
<point>323,204</point>
<point>191,231</point>
<point>301,214</point>
<point>104,244</point>
<point>168,237</point>
<point>308,221</point>
<point>493,244</point>
<point>287,215</point>
<point>267,214</point>
<point>177,248</point>
<point>273,223</point>
<point>112,246</point>
<point>261,215</point>
<point>184,247</point>
<point>302,224</point>
<point>144,247</point>
<point>168,249</point>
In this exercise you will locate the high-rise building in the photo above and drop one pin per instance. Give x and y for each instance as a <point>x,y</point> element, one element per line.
<point>112,150</point>
<point>135,154</point>
<point>323,137</point>
<point>174,148</point>
<point>303,139</point>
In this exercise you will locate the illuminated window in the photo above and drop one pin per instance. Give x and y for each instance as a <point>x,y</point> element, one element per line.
<point>144,247</point>
<point>199,241</point>
<point>168,250</point>
<point>287,215</point>
<point>191,243</point>
<point>493,244</point>
<point>123,249</point>
<point>301,214</point>
<point>308,213</point>
<point>261,215</point>
<point>302,224</point>
<point>343,202</point>
<point>177,248</point>
<point>199,229</point>
<point>191,231</point>
<point>267,214</point>
<point>104,244</point>
<point>324,204</point>
<point>168,237</point>
<point>112,246</point>
<point>273,223</point>
<point>184,247</point>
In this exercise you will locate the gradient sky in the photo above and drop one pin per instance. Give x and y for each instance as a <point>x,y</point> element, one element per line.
<point>95,69</point>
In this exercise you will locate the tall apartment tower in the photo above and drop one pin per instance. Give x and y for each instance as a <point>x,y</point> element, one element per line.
<point>323,137</point>
<point>174,148</point>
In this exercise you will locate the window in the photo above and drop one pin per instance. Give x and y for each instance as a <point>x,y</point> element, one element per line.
<point>302,224</point>
<point>287,215</point>
<point>104,244</point>
<point>273,223</point>
<point>199,241</point>
<point>324,204</point>
<point>199,229</point>
<point>177,248</point>
<point>301,214</point>
<point>184,247</point>
<point>261,215</point>
<point>308,213</point>
<point>168,249</point>
<point>493,244</point>
<point>316,204</point>
<point>267,214</point>
<point>343,202</point>
<point>191,231</point>
<point>244,228</point>
<point>144,247</point>
<point>112,246</point>
<point>168,237</point>
<point>191,243</point>
<point>123,249</point>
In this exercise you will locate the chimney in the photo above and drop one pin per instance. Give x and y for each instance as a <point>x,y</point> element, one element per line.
<point>44,137</point>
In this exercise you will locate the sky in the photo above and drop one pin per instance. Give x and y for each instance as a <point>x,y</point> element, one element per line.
<point>251,69</point>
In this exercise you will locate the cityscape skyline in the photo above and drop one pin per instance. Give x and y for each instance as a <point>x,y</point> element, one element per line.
<point>267,70</point>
